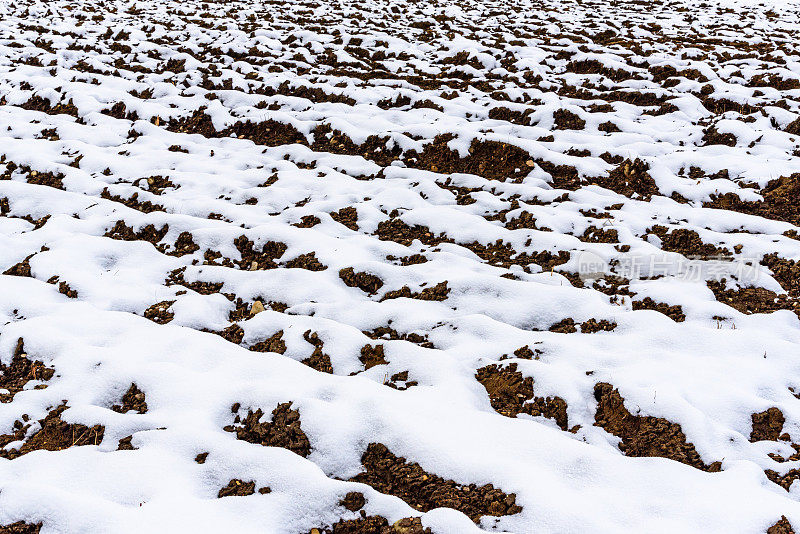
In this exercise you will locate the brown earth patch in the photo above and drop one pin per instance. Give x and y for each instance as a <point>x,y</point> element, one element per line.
<point>366,282</point>
<point>20,371</point>
<point>492,160</point>
<point>318,359</point>
<point>159,312</point>
<point>274,343</point>
<point>147,233</point>
<point>22,268</point>
<point>282,431</point>
<point>132,400</point>
<point>673,312</point>
<point>767,425</point>
<point>347,216</point>
<point>255,260</point>
<point>781,201</point>
<point>374,525</point>
<point>425,491</point>
<point>21,527</point>
<point>439,292</point>
<point>240,488</point>
<point>781,527</point>
<point>749,299</point>
<point>53,435</point>
<point>372,356</point>
<point>306,261</point>
<point>564,119</point>
<point>644,436</point>
<point>686,242</point>
<point>397,230</point>
<point>511,394</point>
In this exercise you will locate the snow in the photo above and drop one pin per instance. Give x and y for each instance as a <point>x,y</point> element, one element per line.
<point>705,375</point>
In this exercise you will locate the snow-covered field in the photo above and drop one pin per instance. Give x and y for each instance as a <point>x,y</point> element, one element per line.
<point>388,266</point>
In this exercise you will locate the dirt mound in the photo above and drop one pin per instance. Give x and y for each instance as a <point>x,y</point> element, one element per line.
<point>644,435</point>
<point>781,201</point>
<point>673,312</point>
<point>512,394</point>
<point>781,527</point>
<point>374,525</point>
<point>20,371</point>
<point>687,242</point>
<point>160,312</point>
<point>748,299</point>
<point>439,292</point>
<point>274,343</point>
<point>53,435</point>
<point>490,159</point>
<point>346,216</point>
<point>366,282</point>
<point>424,491</point>
<point>21,527</point>
<point>282,431</point>
<point>254,260</point>
<point>132,400</point>
<point>767,425</point>
<point>372,356</point>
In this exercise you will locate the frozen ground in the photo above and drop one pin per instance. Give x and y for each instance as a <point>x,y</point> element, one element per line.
<point>483,266</point>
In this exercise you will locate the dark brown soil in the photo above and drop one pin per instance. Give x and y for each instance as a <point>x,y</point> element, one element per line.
<point>282,431</point>
<point>308,221</point>
<point>424,491</point>
<point>439,292</point>
<point>160,313</point>
<point>366,282</point>
<point>564,119</point>
<point>767,425</point>
<point>274,343</point>
<point>372,356</point>
<point>712,137</point>
<point>133,202</point>
<point>347,216</point>
<point>133,399</point>
<point>781,201</point>
<point>353,501</point>
<point>54,435</point>
<point>21,527</point>
<point>786,480</point>
<point>398,231</point>
<point>306,261</point>
<point>568,326</point>
<point>237,488</point>
<point>687,242</point>
<point>512,394</point>
<point>22,268</point>
<point>20,371</point>
<point>126,444</point>
<point>786,273</point>
<point>781,527</point>
<point>253,260</point>
<point>184,245</point>
<point>233,333</point>
<point>490,159</point>
<point>644,435</point>
<point>388,333</point>
<point>374,525</point>
<point>630,179</point>
<point>599,235</point>
<point>673,312</point>
<point>748,299</point>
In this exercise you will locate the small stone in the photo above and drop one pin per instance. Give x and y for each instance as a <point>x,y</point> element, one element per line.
<point>257,307</point>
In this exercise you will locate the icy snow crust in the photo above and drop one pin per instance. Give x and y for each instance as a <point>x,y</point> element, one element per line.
<point>405,72</point>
